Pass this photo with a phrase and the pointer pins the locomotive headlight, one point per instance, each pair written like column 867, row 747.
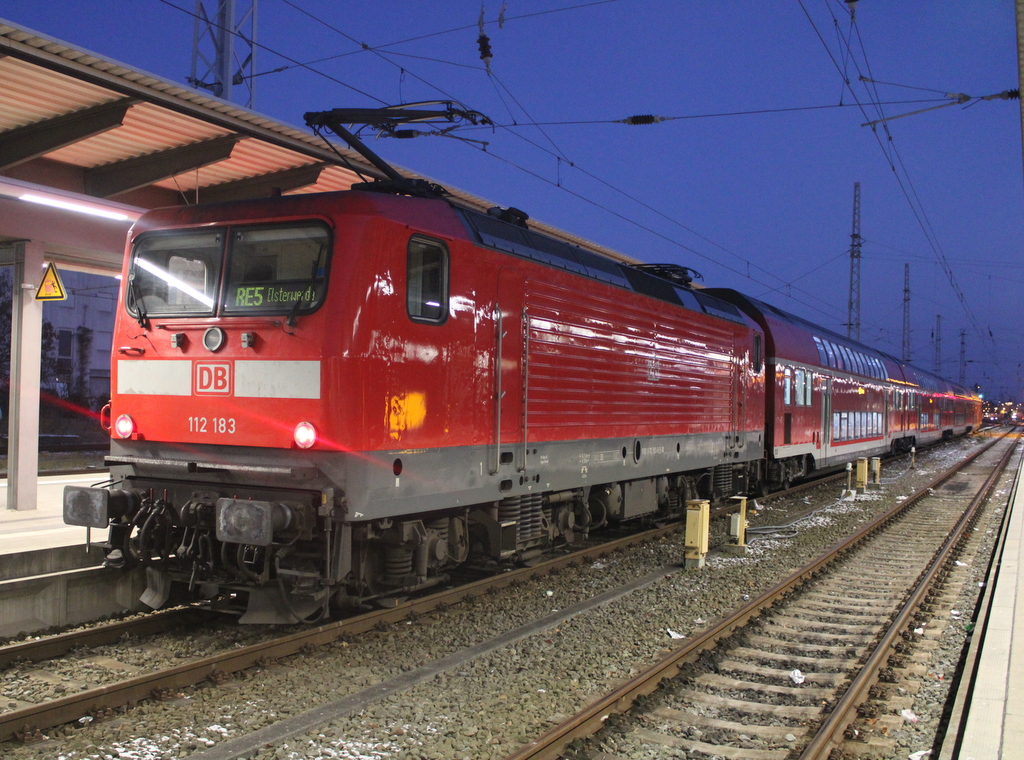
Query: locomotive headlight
column 124, row 426
column 304, row 435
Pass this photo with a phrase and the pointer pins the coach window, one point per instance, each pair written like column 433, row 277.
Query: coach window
column 802, row 389
column 822, row 356
column 831, row 355
column 787, row 386
column 427, row 281
column 844, row 362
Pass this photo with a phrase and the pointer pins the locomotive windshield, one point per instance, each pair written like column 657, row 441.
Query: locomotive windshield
column 276, row 269
column 175, row 274
column 239, row 270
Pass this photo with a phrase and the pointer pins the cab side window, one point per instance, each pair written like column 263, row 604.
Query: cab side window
column 427, row 281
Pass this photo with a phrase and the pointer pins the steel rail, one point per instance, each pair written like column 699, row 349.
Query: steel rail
column 589, row 720
column 831, row 732
column 55, row 645
column 48, row 647
column 29, row 720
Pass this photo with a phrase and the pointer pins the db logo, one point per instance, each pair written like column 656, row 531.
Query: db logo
column 212, row 378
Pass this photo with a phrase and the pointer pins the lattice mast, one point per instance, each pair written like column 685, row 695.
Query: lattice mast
column 906, row 312
column 853, row 309
column 963, row 357
column 224, row 49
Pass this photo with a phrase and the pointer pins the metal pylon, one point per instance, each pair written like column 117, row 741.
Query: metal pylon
column 853, row 309
column 906, row 312
column 224, row 48
column 963, row 358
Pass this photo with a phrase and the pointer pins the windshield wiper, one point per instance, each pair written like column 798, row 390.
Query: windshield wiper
column 142, row 319
column 310, row 285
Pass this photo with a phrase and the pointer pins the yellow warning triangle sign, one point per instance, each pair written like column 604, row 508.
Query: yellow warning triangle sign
column 51, row 288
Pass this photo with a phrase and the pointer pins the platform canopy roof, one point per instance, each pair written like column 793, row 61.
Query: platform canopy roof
column 85, row 126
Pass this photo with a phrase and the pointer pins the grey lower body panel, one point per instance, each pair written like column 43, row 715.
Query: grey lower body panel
column 381, row 484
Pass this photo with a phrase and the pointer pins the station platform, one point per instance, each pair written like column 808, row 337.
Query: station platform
column 987, row 722
column 43, row 527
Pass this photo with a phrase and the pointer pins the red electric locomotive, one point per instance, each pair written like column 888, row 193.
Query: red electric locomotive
column 340, row 396
column 337, row 398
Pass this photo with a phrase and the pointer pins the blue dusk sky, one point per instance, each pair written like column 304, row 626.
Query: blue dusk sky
column 748, row 179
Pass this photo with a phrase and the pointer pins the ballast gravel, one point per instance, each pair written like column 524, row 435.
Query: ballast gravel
column 486, row 708
column 932, row 689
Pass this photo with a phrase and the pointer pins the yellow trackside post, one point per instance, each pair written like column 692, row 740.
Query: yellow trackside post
column 738, row 529
column 698, row 519
column 862, row 474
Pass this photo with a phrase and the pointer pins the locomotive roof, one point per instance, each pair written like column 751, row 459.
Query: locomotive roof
column 495, row 230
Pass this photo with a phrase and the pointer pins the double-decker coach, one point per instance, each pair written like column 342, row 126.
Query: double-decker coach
column 831, row 400
column 937, row 409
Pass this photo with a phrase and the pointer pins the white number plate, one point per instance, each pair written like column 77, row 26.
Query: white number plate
column 222, row 425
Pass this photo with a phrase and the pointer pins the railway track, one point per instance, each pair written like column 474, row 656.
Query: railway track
column 785, row 676
column 26, row 722
column 47, row 647
column 29, row 720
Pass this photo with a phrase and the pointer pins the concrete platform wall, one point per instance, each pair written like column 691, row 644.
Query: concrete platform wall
column 68, row 597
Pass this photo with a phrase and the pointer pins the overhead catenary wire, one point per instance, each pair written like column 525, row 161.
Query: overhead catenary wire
column 894, row 159
column 645, row 119
column 744, row 274
column 365, row 48
column 561, row 155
